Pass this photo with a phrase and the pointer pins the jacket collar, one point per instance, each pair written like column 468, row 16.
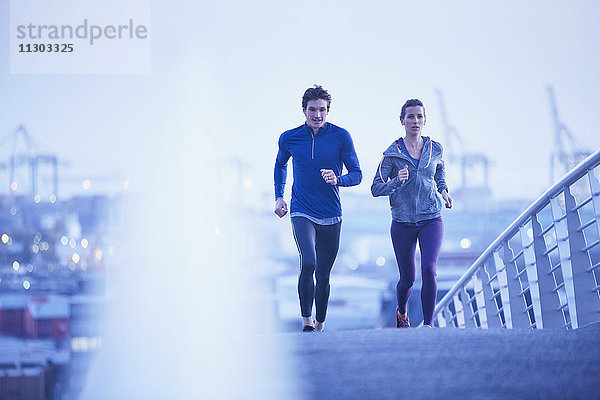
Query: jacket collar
column 321, row 130
column 395, row 150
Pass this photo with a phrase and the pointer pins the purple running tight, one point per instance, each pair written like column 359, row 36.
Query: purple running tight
column 404, row 239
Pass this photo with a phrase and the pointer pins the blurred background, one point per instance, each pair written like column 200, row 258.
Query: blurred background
column 136, row 210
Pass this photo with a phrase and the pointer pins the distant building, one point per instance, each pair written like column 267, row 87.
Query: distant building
column 28, row 368
column 12, row 311
column 37, row 317
column 47, row 317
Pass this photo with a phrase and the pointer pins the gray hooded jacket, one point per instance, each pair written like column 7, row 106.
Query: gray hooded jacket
column 415, row 199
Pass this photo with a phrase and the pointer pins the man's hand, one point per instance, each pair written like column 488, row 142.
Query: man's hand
column 280, row 207
column 447, row 198
column 329, row 176
column 403, row 174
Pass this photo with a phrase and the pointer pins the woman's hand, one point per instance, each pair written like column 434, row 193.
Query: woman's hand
column 403, row 174
column 447, row 198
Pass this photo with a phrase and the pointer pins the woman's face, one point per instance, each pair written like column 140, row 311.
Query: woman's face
column 414, row 119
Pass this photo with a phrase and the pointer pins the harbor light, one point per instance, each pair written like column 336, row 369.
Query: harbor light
column 72, row 243
column 16, row 265
column 64, row 240
column 52, row 198
column 84, row 243
column 37, row 198
column 13, row 210
column 380, row 261
column 75, row 258
column 98, row 254
column 465, row 243
column 14, row 186
column 5, row 238
column 26, row 285
column 86, row 184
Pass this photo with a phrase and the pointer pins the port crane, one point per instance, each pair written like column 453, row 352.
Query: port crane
column 22, row 155
column 472, row 164
column 567, row 152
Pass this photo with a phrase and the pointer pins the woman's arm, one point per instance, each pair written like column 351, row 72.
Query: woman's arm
column 385, row 181
column 447, row 198
column 440, row 174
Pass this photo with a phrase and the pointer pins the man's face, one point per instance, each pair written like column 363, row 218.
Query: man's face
column 414, row 119
column 316, row 113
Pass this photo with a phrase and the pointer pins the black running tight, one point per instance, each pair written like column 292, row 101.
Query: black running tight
column 318, row 246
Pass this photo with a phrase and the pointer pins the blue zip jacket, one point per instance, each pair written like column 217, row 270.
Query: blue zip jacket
column 331, row 147
column 414, row 200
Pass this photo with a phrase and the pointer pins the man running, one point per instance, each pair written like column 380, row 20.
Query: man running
column 318, row 150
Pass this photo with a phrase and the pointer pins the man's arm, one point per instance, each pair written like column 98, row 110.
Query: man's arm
column 350, row 160
column 280, row 176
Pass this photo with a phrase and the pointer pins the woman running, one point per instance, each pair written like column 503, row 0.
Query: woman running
column 410, row 172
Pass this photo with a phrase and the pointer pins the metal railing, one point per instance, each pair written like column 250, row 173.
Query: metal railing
column 543, row 270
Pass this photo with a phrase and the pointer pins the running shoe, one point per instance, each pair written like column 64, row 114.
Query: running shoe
column 401, row 322
column 308, row 328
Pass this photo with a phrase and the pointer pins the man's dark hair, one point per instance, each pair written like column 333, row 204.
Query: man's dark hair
column 316, row 93
column 411, row 103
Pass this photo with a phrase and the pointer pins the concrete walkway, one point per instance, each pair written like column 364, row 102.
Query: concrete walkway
column 444, row 363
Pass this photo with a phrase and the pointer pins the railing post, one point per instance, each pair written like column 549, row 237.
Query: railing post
column 467, row 308
column 541, row 280
column 595, row 190
column 478, row 285
column 564, row 252
column 448, row 317
column 503, row 287
column 441, row 320
column 586, row 298
column 459, row 310
column 518, row 316
column 492, row 313
column 532, row 276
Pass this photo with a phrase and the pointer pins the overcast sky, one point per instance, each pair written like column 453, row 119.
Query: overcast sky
column 234, row 72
